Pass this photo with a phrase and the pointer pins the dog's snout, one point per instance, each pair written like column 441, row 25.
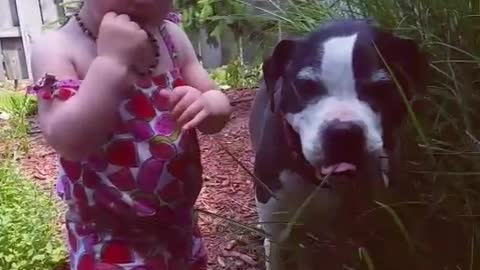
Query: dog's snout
column 345, row 131
column 344, row 140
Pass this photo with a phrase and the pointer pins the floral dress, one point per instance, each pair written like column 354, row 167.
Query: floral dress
column 130, row 204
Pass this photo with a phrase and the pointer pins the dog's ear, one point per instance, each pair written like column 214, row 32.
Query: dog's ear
column 407, row 61
column 275, row 65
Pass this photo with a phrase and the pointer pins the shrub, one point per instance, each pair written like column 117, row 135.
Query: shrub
column 28, row 234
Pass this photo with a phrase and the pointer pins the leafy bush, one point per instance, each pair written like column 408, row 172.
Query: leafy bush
column 16, row 103
column 441, row 144
column 28, row 234
column 18, row 107
column 237, row 75
column 205, row 14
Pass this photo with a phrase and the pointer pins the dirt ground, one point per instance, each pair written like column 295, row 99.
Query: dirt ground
column 226, row 202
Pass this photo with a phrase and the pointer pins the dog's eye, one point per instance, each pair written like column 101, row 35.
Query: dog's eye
column 308, row 86
column 305, row 84
column 379, row 89
column 381, row 95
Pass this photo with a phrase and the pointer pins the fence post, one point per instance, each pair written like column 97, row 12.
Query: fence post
column 6, row 22
column 30, row 18
column 3, row 75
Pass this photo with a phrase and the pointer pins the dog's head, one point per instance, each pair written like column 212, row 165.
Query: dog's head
column 344, row 90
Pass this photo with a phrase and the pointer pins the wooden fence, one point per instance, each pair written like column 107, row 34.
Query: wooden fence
column 21, row 22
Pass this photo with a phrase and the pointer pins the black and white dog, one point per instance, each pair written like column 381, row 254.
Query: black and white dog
column 330, row 109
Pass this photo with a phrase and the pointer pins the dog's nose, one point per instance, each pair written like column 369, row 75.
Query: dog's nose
column 344, row 141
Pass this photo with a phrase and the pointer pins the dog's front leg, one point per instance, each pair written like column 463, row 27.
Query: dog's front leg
column 279, row 253
column 275, row 257
column 266, row 247
column 268, row 216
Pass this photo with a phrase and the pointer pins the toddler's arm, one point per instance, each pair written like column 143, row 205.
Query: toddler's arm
column 76, row 126
column 196, row 76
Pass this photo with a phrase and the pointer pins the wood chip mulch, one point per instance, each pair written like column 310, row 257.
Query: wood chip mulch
column 226, row 203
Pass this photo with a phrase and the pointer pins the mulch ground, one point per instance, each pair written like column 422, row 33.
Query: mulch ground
column 227, row 203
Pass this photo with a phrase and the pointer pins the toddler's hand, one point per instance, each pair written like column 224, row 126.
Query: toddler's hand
column 121, row 39
column 189, row 106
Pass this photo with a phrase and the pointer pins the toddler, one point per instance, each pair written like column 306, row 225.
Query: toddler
column 121, row 95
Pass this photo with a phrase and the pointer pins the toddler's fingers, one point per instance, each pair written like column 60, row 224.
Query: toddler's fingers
column 187, row 115
column 177, row 95
column 110, row 15
column 181, row 106
column 202, row 115
column 169, row 97
column 124, row 17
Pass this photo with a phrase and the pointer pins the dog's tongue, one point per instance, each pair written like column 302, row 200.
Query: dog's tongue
column 338, row 168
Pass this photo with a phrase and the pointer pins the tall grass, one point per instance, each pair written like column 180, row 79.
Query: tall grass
column 440, row 194
column 28, row 234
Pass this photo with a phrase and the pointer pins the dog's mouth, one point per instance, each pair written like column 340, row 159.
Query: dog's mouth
column 341, row 168
column 343, row 148
column 341, row 162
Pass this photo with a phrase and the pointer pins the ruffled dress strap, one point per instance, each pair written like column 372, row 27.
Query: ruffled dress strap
column 49, row 88
column 175, row 17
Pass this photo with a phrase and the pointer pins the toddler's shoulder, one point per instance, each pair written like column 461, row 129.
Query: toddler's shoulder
column 51, row 42
column 52, row 53
column 52, row 47
column 180, row 40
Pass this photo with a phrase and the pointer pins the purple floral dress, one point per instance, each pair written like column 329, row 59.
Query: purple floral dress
column 130, row 204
